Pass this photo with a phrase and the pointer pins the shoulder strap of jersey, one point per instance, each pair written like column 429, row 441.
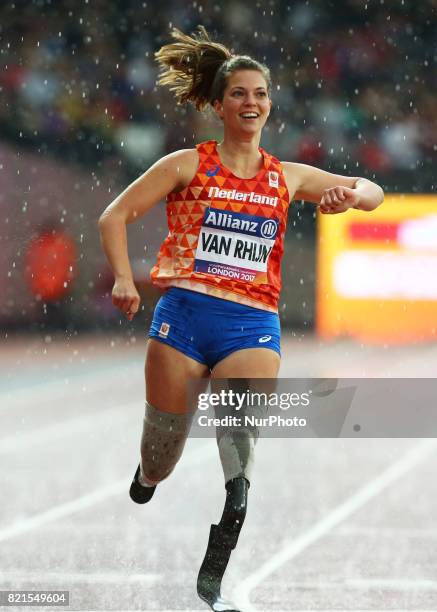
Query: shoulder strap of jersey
column 207, row 152
column 272, row 162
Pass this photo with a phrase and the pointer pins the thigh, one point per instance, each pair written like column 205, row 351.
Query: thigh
column 248, row 373
column 169, row 374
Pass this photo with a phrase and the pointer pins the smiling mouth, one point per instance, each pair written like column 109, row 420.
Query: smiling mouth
column 249, row 116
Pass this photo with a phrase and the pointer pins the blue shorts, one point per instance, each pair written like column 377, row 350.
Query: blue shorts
column 208, row 329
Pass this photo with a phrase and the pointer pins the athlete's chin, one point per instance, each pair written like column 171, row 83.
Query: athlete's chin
column 250, row 129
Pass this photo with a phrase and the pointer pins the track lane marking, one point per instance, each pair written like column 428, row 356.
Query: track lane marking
column 294, row 547
column 55, row 388
column 53, row 431
column 206, row 451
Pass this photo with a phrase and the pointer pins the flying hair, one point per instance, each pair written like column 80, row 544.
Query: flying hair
column 196, row 69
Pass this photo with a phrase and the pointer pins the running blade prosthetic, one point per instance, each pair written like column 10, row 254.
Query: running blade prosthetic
column 220, row 605
column 212, row 570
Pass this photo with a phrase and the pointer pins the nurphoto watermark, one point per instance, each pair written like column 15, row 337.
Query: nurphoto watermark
column 316, row 407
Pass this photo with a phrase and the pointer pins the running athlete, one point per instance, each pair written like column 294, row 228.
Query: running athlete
column 227, row 208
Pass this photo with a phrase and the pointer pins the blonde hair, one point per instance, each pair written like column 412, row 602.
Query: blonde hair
column 196, row 69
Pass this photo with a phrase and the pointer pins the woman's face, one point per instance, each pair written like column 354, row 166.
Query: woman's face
column 246, row 103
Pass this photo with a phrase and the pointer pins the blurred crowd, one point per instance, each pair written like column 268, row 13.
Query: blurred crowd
column 354, row 81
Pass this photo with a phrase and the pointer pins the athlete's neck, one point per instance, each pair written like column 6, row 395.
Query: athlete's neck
column 242, row 157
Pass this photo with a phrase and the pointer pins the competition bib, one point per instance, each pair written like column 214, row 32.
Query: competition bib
column 235, row 245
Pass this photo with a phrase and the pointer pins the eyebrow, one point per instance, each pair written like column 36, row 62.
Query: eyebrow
column 242, row 87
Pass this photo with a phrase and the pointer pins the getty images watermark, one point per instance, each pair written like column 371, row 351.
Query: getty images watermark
column 323, row 408
column 241, row 403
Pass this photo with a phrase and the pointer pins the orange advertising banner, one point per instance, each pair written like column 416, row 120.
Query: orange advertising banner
column 377, row 272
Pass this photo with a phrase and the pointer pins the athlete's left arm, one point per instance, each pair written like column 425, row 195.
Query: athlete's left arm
column 333, row 193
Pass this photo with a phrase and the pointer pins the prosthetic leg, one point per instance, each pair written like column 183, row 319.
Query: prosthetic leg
column 222, row 541
column 236, row 446
column 162, row 442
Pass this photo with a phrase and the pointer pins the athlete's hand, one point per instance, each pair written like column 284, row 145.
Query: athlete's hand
column 126, row 297
column 338, row 199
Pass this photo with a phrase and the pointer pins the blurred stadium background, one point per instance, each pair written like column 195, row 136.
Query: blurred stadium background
column 81, row 116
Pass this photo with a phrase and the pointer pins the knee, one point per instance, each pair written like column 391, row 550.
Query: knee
column 237, row 454
column 155, row 473
column 159, row 457
column 162, row 443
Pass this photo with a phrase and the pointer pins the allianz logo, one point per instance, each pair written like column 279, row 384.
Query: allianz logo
column 241, row 196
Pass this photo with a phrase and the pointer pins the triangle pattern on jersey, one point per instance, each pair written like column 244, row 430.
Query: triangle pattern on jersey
column 209, row 147
column 186, row 212
column 190, row 195
column 184, row 242
column 198, row 209
column 196, row 181
column 182, row 209
column 220, row 180
column 192, row 240
column 251, row 185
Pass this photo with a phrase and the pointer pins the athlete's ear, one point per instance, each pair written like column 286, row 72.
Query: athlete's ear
column 218, row 107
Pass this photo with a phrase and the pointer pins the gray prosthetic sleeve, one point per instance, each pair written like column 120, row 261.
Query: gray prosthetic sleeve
column 236, row 443
column 162, row 442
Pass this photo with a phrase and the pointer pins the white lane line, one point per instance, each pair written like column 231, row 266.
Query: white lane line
column 68, row 383
column 206, row 451
column 294, row 547
column 49, row 433
column 69, row 577
column 61, row 511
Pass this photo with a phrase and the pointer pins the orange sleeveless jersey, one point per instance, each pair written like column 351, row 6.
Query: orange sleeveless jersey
column 226, row 234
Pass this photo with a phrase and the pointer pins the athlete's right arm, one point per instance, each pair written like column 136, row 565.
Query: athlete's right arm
column 171, row 173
